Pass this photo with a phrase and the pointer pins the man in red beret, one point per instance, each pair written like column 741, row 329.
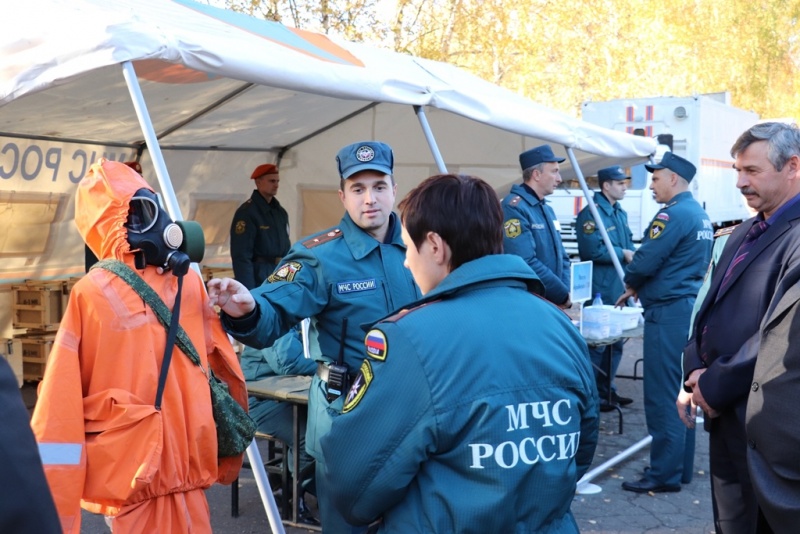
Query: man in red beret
column 260, row 230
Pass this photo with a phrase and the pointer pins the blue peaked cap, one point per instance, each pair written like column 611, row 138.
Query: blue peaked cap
column 676, row 164
column 365, row 155
column 535, row 156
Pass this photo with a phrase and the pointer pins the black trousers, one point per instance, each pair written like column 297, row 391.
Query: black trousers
column 735, row 506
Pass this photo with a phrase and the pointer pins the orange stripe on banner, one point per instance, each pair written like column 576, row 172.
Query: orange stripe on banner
column 710, row 162
column 649, row 113
column 629, row 113
column 649, row 131
column 577, row 205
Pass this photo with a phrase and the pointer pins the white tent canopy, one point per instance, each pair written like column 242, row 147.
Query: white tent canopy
column 225, row 92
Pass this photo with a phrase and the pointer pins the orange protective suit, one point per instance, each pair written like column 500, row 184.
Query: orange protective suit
column 103, row 444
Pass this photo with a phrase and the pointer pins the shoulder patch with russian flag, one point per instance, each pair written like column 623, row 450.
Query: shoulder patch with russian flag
column 377, row 348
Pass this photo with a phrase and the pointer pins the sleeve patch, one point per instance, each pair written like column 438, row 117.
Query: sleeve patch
column 589, row 227
column 512, row 228
column 286, row 272
column 377, row 347
column 239, row 228
column 359, row 387
column 663, row 216
column 657, row 229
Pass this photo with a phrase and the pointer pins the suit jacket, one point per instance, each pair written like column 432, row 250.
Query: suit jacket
column 731, row 318
column 773, row 430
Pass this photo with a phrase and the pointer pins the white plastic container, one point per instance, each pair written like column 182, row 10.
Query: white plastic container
column 600, row 322
column 597, row 314
column 629, row 317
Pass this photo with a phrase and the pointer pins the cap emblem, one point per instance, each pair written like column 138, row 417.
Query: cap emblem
column 365, row 153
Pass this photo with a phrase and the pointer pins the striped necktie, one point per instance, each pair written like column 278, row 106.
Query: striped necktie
column 741, row 253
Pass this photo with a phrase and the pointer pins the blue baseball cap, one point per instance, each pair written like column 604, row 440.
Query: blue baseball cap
column 611, row 173
column 363, row 156
column 676, row 164
column 535, row 156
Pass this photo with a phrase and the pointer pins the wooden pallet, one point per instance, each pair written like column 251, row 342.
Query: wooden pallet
column 38, row 305
column 35, row 350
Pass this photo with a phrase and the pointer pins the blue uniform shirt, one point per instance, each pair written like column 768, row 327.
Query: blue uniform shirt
column 340, row 272
column 674, row 254
column 463, row 417
column 531, row 233
column 591, row 247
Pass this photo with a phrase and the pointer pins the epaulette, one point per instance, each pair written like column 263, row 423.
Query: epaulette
column 514, row 201
column 725, row 231
column 323, row 238
column 405, row 311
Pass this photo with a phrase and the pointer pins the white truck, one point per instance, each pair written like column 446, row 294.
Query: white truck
column 699, row 128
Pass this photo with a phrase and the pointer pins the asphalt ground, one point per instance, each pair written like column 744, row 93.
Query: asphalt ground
column 611, row 511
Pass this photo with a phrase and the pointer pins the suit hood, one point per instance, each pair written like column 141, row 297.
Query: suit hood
column 101, row 208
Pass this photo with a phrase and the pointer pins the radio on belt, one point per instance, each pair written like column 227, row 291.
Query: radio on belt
column 338, row 376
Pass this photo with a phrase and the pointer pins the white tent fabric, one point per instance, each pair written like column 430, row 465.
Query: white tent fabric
column 203, row 95
column 226, row 92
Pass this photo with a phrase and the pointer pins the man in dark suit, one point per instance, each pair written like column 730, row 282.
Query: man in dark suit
column 772, row 431
column 721, row 354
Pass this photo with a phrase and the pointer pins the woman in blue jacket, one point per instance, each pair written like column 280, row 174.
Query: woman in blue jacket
column 475, row 409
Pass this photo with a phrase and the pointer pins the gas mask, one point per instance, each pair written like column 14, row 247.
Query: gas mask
column 156, row 240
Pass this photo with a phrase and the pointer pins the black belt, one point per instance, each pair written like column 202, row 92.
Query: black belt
column 271, row 260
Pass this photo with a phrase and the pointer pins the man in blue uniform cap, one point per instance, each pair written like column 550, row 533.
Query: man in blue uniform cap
column 342, row 277
column 463, row 418
column 666, row 273
column 530, row 225
column 605, row 280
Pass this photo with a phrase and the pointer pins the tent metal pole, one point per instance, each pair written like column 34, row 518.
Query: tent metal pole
column 168, row 192
column 426, row 129
column 260, row 474
column 593, row 208
column 584, row 485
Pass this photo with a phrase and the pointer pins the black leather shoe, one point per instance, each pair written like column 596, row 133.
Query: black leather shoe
column 606, row 407
column 622, row 401
column 648, row 486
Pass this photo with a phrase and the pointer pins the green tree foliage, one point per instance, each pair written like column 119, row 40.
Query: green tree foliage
column 563, row 52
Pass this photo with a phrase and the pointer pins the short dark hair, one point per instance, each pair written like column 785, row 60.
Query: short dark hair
column 463, row 210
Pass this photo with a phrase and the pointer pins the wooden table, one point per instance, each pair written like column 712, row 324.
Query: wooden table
column 292, row 389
